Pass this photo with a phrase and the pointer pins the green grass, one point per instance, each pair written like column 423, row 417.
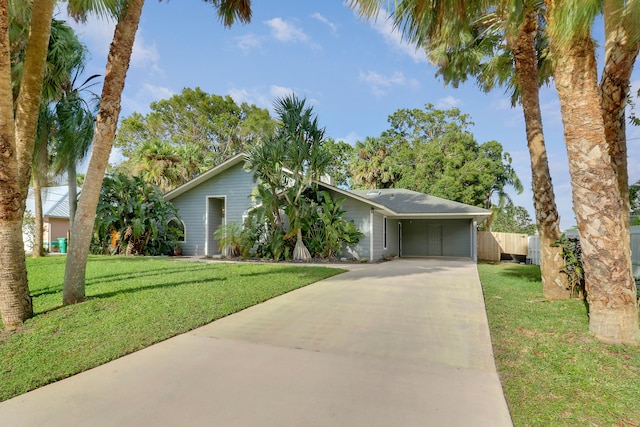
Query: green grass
column 132, row 303
column 554, row 373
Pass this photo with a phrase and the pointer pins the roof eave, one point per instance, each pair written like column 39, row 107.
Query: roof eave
column 205, row 176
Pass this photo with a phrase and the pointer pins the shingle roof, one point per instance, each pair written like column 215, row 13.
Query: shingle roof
column 407, row 202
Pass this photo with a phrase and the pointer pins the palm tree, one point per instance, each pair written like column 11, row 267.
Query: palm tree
column 596, row 150
column 65, row 54
column 458, row 45
column 159, row 162
column 18, row 132
column 370, row 168
column 290, row 162
column 75, row 122
column 119, row 56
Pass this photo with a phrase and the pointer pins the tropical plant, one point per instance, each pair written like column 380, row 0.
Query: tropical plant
column 332, row 230
column 229, row 239
column 119, row 56
column 290, row 162
column 572, row 255
column 133, row 219
column 74, row 127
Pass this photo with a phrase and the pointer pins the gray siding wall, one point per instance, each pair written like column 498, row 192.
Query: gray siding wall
column 456, row 238
column 378, row 239
column 357, row 212
column 235, row 184
column 393, row 248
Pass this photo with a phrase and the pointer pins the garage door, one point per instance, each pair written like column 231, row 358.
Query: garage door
column 436, row 238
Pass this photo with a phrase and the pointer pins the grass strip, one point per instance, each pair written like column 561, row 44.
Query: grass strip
column 553, row 372
column 131, row 304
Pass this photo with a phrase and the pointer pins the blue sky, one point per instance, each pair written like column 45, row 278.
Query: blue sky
column 354, row 73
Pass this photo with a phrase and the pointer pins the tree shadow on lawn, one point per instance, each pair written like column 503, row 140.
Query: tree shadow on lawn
column 280, row 270
column 112, row 277
column 110, row 294
column 529, row 273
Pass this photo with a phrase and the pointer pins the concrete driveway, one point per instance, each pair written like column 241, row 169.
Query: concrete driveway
column 402, row 343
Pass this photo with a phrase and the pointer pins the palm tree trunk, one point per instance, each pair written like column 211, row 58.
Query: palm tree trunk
column 620, row 56
column 106, row 123
column 73, row 193
column 41, row 161
column 611, row 292
column 38, row 249
column 554, row 283
column 17, row 139
column 300, row 251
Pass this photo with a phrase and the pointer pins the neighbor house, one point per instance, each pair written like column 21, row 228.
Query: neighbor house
column 55, row 215
column 395, row 222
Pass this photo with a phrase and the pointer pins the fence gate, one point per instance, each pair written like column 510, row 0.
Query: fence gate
column 491, row 245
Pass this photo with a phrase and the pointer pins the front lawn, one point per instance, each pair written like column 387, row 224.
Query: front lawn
column 554, row 373
column 132, row 303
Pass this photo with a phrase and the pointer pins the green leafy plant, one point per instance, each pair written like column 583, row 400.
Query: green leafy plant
column 334, row 229
column 228, row 237
column 572, row 254
column 134, row 219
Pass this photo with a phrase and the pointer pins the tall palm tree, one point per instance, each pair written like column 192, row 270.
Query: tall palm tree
column 65, row 54
column 159, row 162
column 129, row 12
column 596, row 149
column 370, row 168
column 458, row 39
column 18, row 132
column 75, row 123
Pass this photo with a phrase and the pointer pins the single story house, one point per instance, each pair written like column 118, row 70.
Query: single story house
column 395, row 222
column 55, row 215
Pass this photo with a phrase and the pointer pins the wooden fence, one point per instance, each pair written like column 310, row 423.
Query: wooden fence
column 491, row 245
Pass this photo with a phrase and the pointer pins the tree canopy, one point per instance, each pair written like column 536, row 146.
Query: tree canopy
column 432, row 151
column 187, row 134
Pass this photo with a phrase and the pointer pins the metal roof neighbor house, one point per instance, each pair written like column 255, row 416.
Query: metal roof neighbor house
column 395, row 222
column 55, row 214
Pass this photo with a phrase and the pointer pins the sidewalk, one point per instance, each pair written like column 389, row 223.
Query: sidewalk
column 402, row 343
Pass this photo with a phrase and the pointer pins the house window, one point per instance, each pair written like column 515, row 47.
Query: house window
column 384, row 232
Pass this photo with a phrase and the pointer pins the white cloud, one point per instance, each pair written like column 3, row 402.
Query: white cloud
column 286, row 32
column 248, row 42
column 145, row 55
column 332, row 27
column 258, row 97
column 449, row 102
column 141, row 99
column 280, row 91
column 381, row 84
column 383, row 24
column 351, row 138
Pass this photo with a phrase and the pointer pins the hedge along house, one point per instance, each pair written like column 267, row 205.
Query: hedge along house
column 395, row 222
